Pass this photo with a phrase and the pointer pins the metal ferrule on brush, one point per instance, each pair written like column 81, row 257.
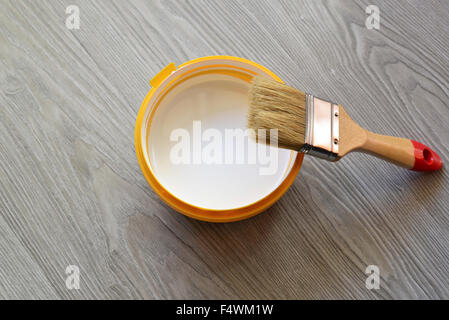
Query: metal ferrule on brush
column 322, row 132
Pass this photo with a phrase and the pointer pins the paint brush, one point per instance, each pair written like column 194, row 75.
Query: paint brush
column 324, row 129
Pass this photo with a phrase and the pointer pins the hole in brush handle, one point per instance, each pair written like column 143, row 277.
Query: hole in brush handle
column 425, row 158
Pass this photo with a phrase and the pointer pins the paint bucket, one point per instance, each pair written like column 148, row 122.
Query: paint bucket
column 204, row 96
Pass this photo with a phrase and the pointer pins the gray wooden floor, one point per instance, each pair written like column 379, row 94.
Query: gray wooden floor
column 72, row 193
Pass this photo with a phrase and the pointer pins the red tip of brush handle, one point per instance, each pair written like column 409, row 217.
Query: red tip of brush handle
column 425, row 158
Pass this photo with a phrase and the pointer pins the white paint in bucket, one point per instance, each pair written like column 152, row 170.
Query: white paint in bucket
column 220, row 102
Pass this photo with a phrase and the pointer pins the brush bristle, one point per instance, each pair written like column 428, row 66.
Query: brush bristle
column 273, row 105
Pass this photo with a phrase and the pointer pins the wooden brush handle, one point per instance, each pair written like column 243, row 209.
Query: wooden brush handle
column 400, row 151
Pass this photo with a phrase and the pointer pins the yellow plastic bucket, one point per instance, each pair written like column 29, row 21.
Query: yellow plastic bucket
column 198, row 192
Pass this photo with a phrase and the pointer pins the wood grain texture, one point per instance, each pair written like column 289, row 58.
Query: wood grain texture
column 71, row 191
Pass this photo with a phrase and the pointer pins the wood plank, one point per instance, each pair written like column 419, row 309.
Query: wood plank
column 71, row 191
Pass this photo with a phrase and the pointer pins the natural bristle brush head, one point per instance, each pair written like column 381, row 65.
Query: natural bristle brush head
column 273, row 105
